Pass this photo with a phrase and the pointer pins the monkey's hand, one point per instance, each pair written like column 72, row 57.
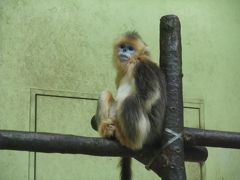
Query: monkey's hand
column 107, row 128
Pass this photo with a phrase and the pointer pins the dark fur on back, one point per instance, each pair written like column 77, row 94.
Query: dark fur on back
column 149, row 79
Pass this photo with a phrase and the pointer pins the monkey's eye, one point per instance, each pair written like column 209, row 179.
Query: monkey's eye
column 122, row 46
column 130, row 48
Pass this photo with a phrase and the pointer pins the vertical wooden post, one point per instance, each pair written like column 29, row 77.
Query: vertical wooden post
column 171, row 64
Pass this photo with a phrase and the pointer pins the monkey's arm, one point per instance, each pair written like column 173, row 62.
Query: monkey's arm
column 147, row 77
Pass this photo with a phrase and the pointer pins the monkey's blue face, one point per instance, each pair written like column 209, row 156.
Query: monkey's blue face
column 125, row 51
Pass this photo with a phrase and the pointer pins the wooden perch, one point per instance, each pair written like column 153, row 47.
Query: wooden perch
column 59, row 143
column 211, row 138
column 71, row 144
column 171, row 64
column 62, row 143
column 201, row 137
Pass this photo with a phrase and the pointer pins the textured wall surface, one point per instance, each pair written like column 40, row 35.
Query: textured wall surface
column 66, row 46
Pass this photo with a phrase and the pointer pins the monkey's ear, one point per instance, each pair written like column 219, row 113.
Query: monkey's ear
column 147, row 51
column 145, row 54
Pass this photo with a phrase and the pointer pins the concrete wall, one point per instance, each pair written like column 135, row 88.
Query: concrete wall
column 66, row 45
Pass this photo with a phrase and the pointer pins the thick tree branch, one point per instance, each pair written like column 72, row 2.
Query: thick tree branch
column 171, row 64
column 59, row 143
column 201, row 137
column 71, row 144
column 211, row 138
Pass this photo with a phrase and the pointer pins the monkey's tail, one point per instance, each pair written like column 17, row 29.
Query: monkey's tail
column 126, row 171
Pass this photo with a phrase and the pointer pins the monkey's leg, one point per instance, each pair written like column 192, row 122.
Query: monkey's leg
column 105, row 114
column 132, row 124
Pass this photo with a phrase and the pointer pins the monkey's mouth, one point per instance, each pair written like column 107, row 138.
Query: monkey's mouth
column 123, row 57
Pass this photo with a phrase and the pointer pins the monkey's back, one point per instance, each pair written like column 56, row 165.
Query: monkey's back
column 150, row 82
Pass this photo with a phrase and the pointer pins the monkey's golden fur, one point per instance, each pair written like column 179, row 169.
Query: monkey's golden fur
column 142, row 53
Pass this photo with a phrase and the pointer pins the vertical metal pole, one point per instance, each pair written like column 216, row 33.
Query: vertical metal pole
column 171, row 64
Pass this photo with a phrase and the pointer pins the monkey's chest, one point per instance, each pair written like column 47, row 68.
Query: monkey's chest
column 125, row 89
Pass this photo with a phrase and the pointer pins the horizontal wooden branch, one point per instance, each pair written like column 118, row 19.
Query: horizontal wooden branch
column 71, row 144
column 202, row 137
column 211, row 138
column 62, row 143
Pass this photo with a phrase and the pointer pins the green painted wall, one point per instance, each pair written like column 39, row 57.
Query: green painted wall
column 66, row 45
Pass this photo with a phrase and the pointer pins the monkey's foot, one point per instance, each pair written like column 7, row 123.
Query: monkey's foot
column 107, row 128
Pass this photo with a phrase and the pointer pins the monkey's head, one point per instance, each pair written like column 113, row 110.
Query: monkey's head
column 128, row 50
